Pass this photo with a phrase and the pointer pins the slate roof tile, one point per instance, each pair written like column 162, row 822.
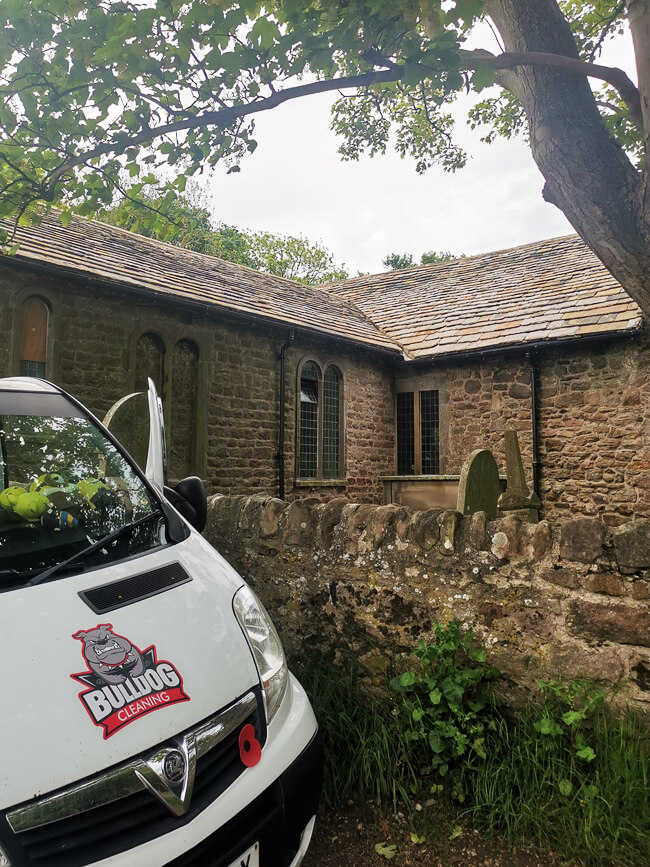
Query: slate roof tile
column 98, row 251
column 549, row 290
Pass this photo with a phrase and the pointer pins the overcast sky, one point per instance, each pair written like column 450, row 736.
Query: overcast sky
column 296, row 183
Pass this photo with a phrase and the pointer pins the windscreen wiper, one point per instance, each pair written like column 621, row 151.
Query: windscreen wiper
column 90, row 549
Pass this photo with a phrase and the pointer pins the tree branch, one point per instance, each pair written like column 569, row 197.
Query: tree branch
column 628, row 91
column 222, row 118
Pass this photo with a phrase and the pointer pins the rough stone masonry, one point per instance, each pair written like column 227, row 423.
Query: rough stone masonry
column 567, row 599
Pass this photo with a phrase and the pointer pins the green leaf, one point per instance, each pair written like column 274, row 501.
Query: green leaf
column 387, row 850
column 572, row 717
column 484, row 76
column 547, row 726
column 587, row 754
column 565, row 787
column 457, row 831
column 416, row 838
column 435, row 696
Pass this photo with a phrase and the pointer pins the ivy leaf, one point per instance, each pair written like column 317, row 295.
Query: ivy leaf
column 387, row 850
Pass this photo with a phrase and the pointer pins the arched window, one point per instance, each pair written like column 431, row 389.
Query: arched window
column 184, row 363
column 320, row 453
column 149, row 361
column 33, row 345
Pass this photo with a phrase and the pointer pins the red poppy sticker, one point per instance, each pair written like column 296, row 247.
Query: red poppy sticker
column 250, row 749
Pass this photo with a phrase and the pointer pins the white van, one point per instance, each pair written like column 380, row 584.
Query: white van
column 147, row 716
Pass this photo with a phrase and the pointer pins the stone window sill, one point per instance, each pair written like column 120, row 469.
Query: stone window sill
column 320, row 483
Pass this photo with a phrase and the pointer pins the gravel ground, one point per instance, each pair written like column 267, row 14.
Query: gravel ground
column 348, row 838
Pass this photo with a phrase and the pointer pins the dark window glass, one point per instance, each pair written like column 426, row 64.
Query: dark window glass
column 331, row 423
column 405, row 434
column 308, row 466
column 32, row 368
column 429, row 431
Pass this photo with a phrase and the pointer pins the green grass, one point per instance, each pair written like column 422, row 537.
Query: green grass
column 535, row 788
column 365, row 755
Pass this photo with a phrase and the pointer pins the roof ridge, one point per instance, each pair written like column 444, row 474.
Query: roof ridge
column 435, row 265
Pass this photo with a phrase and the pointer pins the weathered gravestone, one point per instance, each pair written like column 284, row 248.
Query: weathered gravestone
column 479, row 486
column 517, row 498
column 128, row 421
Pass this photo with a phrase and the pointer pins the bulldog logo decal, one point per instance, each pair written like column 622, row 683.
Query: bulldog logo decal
column 125, row 682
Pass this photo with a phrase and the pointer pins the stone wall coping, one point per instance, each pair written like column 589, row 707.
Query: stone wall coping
column 434, row 478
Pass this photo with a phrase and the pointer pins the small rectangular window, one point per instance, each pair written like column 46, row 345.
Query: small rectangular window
column 331, row 424
column 418, row 433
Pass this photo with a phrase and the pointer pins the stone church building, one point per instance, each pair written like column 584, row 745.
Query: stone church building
column 375, row 388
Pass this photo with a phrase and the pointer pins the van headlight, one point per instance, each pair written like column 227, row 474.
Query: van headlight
column 4, row 859
column 266, row 646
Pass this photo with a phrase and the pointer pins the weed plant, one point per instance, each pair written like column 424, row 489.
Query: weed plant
column 446, row 706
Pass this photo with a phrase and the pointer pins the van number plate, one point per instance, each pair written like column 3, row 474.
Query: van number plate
column 250, row 858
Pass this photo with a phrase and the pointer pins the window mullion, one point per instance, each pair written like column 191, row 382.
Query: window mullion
column 417, row 434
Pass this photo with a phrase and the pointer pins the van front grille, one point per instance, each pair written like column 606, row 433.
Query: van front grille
column 95, row 832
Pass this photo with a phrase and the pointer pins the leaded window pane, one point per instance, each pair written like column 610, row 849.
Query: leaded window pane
column 405, row 434
column 32, row 368
column 308, row 463
column 430, row 432
column 331, row 423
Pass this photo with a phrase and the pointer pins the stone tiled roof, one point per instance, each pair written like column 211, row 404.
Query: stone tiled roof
column 546, row 291
column 115, row 256
column 550, row 290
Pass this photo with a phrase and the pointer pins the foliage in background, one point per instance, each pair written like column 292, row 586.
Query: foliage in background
column 397, row 261
column 568, row 773
column 186, row 222
column 94, row 88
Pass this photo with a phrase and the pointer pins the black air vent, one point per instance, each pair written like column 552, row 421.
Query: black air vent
column 117, row 594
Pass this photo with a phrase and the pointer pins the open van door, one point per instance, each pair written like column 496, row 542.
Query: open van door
column 136, row 420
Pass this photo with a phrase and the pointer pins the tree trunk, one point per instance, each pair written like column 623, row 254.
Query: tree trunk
column 587, row 174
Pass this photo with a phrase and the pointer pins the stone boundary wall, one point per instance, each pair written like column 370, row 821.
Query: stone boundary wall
column 567, row 599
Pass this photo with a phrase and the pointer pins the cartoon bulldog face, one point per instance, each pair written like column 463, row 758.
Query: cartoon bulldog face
column 110, row 656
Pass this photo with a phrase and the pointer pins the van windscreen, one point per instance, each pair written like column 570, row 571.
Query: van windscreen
column 63, row 485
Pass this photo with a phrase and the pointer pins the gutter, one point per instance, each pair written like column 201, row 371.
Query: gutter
column 535, row 347
column 283, row 352
column 533, row 424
